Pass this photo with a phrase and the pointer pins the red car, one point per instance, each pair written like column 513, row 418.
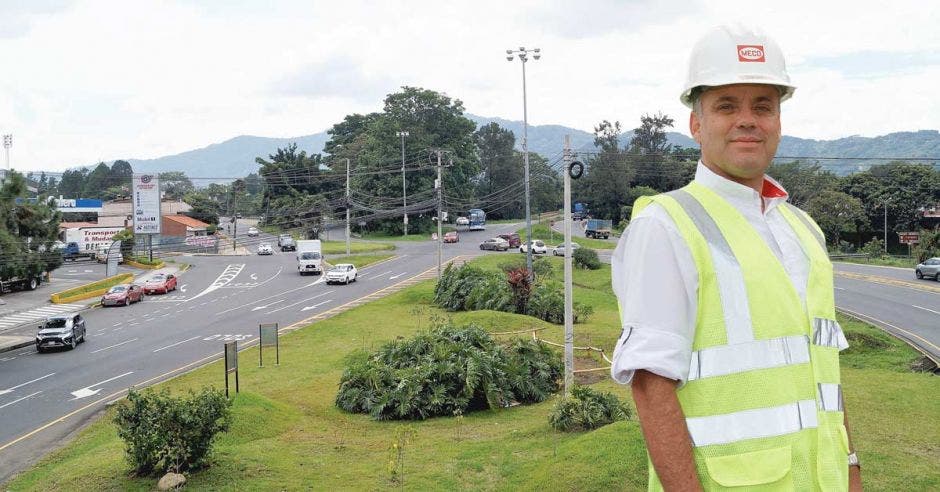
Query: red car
column 451, row 237
column 513, row 239
column 160, row 283
column 122, row 295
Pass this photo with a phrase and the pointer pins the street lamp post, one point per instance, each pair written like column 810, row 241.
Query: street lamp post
column 404, row 186
column 7, row 143
column 523, row 55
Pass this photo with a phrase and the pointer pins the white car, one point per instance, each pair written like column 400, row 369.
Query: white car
column 253, row 231
column 265, row 249
column 538, row 247
column 560, row 249
column 342, row 273
column 463, row 221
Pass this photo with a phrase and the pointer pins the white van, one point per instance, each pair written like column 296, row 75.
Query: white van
column 309, row 257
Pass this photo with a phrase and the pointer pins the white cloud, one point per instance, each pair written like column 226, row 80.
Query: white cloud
column 97, row 80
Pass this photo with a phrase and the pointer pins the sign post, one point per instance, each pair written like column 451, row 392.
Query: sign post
column 146, row 203
column 910, row 239
column 231, row 363
column 267, row 334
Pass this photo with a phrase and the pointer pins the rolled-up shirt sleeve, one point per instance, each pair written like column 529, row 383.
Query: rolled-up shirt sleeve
column 656, row 282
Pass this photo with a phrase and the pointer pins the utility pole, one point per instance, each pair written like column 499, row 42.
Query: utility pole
column 569, row 317
column 886, row 226
column 523, row 55
column 439, row 184
column 347, row 207
column 7, row 143
column 404, row 185
column 234, row 217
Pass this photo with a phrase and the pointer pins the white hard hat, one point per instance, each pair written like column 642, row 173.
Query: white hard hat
column 736, row 55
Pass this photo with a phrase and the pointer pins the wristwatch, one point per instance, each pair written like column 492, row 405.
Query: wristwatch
column 853, row 460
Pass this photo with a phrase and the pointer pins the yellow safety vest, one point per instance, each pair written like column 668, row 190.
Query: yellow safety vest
column 763, row 401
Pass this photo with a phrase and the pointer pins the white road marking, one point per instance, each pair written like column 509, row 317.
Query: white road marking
column 271, row 297
column 20, row 399
column 267, row 305
column 300, row 302
column 380, row 274
column 10, row 389
column 224, row 278
column 396, row 276
column 211, row 337
column 926, row 309
column 183, row 288
column 175, row 344
column 838, row 288
column 88, row 391
column 89, row 271
column 307, row 308
column 112, row 346
column 253, row 276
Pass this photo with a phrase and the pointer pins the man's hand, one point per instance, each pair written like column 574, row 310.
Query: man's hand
column 665, row 431
column 855, row 479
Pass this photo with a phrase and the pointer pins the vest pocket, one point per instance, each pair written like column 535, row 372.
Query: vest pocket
column 768, row 469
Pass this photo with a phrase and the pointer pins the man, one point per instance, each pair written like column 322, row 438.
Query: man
column 729, row 334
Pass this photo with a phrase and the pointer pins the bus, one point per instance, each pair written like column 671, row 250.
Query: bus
column 477, row 219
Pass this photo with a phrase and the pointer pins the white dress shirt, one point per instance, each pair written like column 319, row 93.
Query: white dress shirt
column 656, row 282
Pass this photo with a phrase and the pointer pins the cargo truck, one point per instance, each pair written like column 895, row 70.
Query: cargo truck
column 309, row 256
column 597, row 228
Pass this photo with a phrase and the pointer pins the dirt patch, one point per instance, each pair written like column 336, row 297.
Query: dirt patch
column 586, row 378
column 865, row 341
column 924, row 364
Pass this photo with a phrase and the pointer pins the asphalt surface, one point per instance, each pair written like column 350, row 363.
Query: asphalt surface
column 46, row 397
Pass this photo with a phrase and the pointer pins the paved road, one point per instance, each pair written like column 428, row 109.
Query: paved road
column 45, row 397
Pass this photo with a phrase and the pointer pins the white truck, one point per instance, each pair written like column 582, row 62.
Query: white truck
column 309, row 256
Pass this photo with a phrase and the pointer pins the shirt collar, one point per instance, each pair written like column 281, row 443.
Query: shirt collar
column 740, row 195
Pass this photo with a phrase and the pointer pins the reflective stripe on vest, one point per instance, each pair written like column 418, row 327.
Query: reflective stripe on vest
column 759, row 354
column 732, row 290
column 830, row 397
column 828, row 333
column 753, row 424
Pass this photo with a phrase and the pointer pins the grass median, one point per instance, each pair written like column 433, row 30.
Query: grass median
column 90, row 290
column 289, row 435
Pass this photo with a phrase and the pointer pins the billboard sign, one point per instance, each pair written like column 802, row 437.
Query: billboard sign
column 909, row 237
column 146, row 192
column 77, row 205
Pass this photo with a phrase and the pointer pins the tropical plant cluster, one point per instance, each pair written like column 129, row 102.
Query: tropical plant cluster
column 587, row 409
column 586, row 258
column 470, row 288
column 163, row 433
column 447, row 370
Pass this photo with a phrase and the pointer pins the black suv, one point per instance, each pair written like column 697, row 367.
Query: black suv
column 61, row 331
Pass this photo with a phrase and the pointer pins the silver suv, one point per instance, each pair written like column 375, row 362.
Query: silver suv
column 929, row 268
column 61, row 331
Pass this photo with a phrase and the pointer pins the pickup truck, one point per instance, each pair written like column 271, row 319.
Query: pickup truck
column 597, row 228
column 73, row 252
column 20, row 283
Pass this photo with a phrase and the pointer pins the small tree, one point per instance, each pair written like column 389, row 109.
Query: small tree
column 874, row 248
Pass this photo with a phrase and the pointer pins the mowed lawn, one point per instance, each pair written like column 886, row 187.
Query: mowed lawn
column 289, row 435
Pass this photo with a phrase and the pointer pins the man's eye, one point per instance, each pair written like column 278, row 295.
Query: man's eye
column 725, row 107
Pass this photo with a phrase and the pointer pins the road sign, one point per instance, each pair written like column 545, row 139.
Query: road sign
column 909, row 237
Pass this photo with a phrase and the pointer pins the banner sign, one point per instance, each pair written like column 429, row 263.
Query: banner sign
column 201, row 241
column 146, row 191
column 909, row 237
column 77, row 205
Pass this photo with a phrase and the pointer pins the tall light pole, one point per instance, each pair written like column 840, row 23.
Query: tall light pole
column 523, row 55
column 7, row 143
column 404, row 186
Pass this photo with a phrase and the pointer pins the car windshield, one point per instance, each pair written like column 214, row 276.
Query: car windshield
column 310, row 255
column 157, row 278
column 538, row 243
column 55, row 323
column 116, row 289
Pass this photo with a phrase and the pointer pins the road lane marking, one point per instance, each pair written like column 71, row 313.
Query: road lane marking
column 838, row 288
column 10, row 389
column 115, row 345
column 20, row 399
column 307, row 308
column 267, row 305
column 396, row 276
column 183, row 288
column 888, row 281
column 88, row 391
column 926, row 309
column 175, row 344
column 300, row 302
column 224, row 278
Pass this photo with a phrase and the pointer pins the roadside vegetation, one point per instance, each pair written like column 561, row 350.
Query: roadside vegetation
column 287, row 433
column 554, row 238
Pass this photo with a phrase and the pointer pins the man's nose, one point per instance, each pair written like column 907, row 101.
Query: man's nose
column 746, row 118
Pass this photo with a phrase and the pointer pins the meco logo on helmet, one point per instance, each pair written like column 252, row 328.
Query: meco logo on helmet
column 750, row 53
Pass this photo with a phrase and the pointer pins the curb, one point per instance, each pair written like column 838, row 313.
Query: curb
column 16, row 346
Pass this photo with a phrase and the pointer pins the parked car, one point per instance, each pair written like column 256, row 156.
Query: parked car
column 102, row 256
column 160, row 283
column 253, row 232
column 265, row 249
column 495, row 244
column 560, row 249
column 122, row 295
column 513, row 239
column 451, row 237
column 342, row 273
column 61, row 331
column 463, row 221
column 929, row 268
column 538, row 247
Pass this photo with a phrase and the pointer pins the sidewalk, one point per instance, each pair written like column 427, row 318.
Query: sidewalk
column 14, row 336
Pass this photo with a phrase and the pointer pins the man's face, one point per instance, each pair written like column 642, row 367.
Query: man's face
column 738, row 129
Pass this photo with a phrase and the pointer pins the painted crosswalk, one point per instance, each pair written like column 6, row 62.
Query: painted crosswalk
column 11, row 320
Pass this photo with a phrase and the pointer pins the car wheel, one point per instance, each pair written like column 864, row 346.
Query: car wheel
column 39, row 349
column 347, row 281
column 481, row 247
column 918, row 274
column 82, row 339
column 127, row 301
column 74, row 343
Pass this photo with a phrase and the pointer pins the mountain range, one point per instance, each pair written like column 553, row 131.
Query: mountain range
column 236, row 157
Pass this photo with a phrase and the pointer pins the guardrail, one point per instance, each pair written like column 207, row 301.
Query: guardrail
column 834, row 256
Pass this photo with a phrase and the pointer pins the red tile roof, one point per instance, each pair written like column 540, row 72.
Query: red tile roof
column 187, row 221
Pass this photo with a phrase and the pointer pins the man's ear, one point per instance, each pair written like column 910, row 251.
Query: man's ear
column 695, row 127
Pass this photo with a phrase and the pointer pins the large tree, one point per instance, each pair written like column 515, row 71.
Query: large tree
column 906, row 189
column 500, row 182
column 836, row 213
column 607, row 180
column 175, row 184
column 99, row 180
column 27, row 232
column 803, row 181
column 72, row 183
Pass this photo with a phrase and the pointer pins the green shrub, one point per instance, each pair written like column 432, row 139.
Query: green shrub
column 541, row 267
column 874, row 248
column 587, row 409
column 447, row 371
column 547, row 303
column 586, row 258
column 162, row 433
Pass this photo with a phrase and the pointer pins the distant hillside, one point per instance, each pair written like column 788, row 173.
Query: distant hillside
column 236, row 156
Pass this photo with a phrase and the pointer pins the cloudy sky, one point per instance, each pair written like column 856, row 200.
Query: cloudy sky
column 90, row 80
